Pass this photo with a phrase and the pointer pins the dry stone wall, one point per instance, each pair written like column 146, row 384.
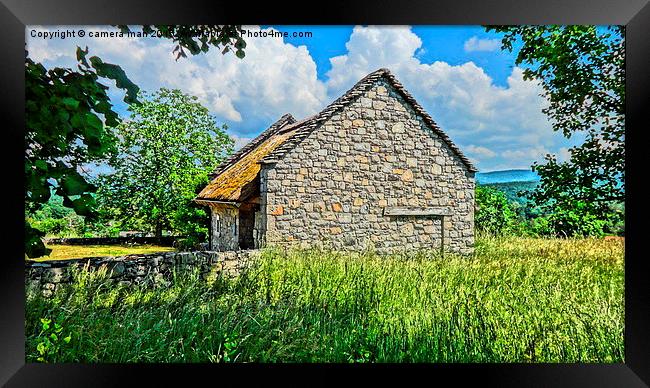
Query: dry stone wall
column 154, row 268
column 376, row 153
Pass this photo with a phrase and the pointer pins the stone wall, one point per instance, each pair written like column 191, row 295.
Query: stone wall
column 154, row 268
column 374, row 154
column 225, row 227
column 259, row 231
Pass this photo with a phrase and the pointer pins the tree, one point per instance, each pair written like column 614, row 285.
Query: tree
column 64, row 130
column 494, row 215
column 582, row 71
column 165, row 152
column 69, row 116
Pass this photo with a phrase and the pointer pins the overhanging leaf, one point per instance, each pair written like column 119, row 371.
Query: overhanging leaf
column 74, row 184
column 116, row 73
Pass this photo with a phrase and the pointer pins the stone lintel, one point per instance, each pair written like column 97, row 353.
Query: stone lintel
column 414, row 211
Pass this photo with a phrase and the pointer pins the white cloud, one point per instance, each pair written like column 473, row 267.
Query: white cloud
column 528, row 153
column 564, row 154
column 273, row 79
column 39, row 49
column 240, row 141
column 462, row 99
column 495, row 125
column 370, row 48
column 480, row 151
column 476, row 44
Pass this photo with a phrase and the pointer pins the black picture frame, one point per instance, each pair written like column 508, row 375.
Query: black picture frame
column 16, row 14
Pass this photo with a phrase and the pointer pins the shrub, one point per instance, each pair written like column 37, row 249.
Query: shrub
column 494, row 214
column 576, row 222
column 191, row 221
column 579, row 219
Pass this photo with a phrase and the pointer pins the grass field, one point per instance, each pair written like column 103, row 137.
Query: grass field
column 63, row 252
column 515, row 300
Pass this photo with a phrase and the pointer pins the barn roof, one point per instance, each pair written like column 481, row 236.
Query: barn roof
column 231, row 177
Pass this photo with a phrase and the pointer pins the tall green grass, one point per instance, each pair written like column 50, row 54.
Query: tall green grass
column 514, row 300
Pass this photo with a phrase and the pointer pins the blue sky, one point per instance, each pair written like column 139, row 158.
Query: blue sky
column 459, row 74
column 440, row 43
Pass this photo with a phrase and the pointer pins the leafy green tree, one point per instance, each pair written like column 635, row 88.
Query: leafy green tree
column 191, row 220
column 165, row 151
column 56, row 220
column 494, row 214
column 582, row 71
column 69, row 115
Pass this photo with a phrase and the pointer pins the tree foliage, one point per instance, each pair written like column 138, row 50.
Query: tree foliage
column 494, row 214
column 54, row 219
column 198, row 39
column 67, row 114
column 165, row 152
column 582, row 71
column 69, row 118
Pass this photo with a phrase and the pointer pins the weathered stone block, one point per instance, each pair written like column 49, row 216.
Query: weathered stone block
column 335, row 230
column 279, row 210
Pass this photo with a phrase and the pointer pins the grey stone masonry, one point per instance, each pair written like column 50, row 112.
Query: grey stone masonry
column 373, row 155
column 225, row 227
column 156, row 268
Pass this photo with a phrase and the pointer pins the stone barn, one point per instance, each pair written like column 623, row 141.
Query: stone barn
column 371, row 170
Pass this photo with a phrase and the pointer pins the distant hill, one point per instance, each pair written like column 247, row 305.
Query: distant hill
column 506, row 176
column 512, row 189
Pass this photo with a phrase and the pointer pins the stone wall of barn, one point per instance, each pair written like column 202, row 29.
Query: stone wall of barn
column 259, row 231
column 374, row 154
column 225, row 227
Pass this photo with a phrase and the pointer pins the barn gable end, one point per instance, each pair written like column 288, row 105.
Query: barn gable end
column 375, row 173
column 371, row 169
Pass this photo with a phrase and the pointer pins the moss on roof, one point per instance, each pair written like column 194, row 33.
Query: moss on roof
column 229, row 185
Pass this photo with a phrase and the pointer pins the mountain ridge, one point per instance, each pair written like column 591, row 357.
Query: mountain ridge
column 506, row 176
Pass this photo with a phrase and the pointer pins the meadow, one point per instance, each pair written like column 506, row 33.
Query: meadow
column 515, row 300
column 64, row 252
